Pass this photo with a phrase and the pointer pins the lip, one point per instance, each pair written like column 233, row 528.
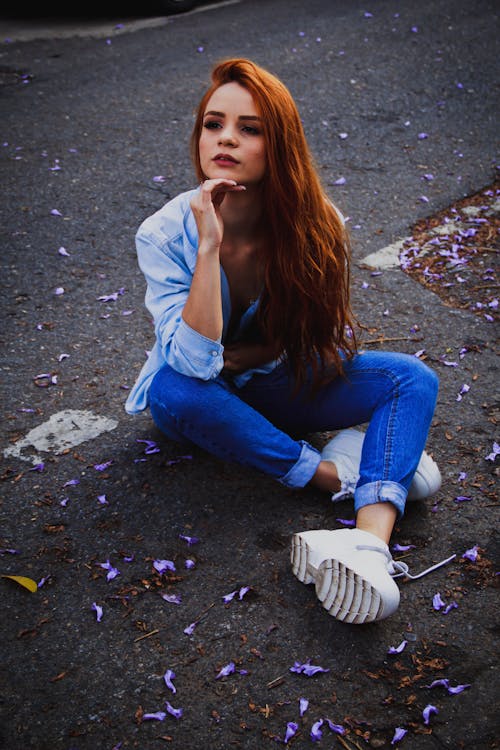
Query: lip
column 225, row 159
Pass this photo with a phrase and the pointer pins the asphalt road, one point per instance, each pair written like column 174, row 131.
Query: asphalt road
column 94, row 137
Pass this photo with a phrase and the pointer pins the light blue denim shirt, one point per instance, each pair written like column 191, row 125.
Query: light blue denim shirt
column 167, row 247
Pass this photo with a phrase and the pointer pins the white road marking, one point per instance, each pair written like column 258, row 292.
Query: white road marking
column 63, row 430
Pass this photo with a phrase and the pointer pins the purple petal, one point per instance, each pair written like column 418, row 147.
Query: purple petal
column 158, row 716
column 112, row 572
column 443, row 682
column 151, row 446
column 462, row 499
column 496, row 450
column 307, row 668
column 172, row 598
column 227, row 670
column 98, row 611
column 346, row 521
column 161, row 566
column 458, row 689
column 176, row 712
column 71, row 483
column 398, row 649
column 102, row 499
column 399, row 733
column 168, row 677
column 229, row 597
column 189, row 564
column 189, row 539
column 471, row 554
column 303, row 705
column 449, row 607
column 102, row 467
column 190, row 628
column 337, row 728
column 316, row 733
column 291, row 731
column 437, row 602
column 402, row 547
column 428, row 711
column 244, row 590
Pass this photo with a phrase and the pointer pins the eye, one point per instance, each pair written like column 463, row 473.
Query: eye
column 211, row 124
column 251, row 130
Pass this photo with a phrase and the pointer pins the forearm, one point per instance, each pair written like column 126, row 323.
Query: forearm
column 203, row 308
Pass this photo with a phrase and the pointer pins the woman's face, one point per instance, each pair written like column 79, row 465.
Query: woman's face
column 232, row 140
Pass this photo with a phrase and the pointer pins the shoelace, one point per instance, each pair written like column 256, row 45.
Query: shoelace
column 402, row 567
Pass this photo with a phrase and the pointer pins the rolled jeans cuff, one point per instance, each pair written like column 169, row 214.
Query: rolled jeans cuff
column 381, row 492
column 304, row 469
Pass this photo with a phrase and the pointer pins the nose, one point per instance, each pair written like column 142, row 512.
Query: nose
column 227, row 137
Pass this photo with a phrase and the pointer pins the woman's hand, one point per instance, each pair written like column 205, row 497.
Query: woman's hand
column 241, row 357
column 206, row 209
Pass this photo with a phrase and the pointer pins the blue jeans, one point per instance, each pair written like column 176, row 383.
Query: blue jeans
column 257, row 425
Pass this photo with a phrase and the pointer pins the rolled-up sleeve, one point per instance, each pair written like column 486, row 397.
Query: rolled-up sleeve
column 168, row 273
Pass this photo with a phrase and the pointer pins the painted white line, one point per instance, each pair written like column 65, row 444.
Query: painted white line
column 63, row 430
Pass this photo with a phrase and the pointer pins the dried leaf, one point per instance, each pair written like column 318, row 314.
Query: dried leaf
column 28, row 583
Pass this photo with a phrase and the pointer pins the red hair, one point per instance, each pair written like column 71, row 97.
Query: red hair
column 305, row 307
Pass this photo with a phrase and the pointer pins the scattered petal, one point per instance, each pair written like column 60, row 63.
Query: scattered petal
column 346, row 521
column 291, row 731
column 496, row 450
column 157, row 716
column 151, row 446
column 337, row 728
column 307, row 668
column 398, row 649
column 189, row 539
column 168, row 677
column 112, row 572
column 303, row 705
column 227, row 670
column 190, row 628
column 189, row 564
column 399, row 733
column 428, row 711
column 316, row 733
column 437, row 602
column 103, row 467
column 98, row 611
column 471, row 554
column 172, row 598
column 176, row 712
column 62, row 251
column 161, row 566
column 402, row 547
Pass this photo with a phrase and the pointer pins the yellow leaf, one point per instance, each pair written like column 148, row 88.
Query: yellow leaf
column 28, row 583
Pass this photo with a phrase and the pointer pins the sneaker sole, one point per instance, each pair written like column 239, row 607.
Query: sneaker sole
column 346, row 595
column 300, row 559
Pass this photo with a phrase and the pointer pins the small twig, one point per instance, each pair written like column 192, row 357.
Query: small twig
column 146, row 635
column 274, row 683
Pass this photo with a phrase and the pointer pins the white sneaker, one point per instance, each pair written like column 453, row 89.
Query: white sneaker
column 344, row 450
column 353, row 572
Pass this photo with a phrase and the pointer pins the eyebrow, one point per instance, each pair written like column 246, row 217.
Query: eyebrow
column 221, row 114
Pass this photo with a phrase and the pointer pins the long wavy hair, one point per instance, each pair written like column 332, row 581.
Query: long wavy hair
column 305, row 307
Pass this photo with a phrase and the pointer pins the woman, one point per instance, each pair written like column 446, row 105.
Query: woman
column 248, row 284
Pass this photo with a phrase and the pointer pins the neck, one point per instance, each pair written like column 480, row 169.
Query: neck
column 242, row 213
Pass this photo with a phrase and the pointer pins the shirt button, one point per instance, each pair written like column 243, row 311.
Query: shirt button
column 214, row 353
